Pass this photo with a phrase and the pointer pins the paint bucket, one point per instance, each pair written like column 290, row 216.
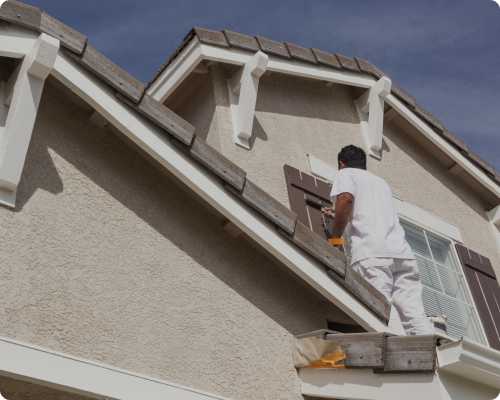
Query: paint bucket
column 440, row 323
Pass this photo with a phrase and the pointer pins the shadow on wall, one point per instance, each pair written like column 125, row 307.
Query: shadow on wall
column 309, row 98
column 38, row 173
column 117, row 169
column 258, row 132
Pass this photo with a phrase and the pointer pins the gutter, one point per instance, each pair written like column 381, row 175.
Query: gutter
column 471, row 360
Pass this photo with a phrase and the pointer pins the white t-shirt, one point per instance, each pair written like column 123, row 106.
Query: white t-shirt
column 373, row 228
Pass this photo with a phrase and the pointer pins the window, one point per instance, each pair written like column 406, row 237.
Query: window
column 445, row 289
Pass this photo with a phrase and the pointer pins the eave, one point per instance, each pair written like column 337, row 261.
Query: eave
column 196, row 52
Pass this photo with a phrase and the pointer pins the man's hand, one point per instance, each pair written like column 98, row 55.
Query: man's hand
column 328, row 212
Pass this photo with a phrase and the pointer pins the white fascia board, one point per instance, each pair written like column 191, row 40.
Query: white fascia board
column 363, row 384
column 472, row 361
column 16, row 42
column 177, row 71
column 156, row 143
column 428, row 220
column 441, row 143
column 61, row 371
column 195, row 52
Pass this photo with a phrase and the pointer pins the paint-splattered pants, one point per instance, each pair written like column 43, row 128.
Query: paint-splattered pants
column 397, row 279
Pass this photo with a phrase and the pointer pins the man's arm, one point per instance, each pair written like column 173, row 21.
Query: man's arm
column 343, row 208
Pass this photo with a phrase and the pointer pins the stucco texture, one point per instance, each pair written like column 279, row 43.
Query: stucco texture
column 106, row 259
column 13, row 389
column 297, row 116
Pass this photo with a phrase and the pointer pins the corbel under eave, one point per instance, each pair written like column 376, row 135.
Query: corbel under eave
column 20, row 98
column 370, row 107
column 243, row 88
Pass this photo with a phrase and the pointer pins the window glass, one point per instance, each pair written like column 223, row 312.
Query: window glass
column 444, row 286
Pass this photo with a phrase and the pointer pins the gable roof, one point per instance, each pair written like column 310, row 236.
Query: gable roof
column 287, row 50
column 133, row 93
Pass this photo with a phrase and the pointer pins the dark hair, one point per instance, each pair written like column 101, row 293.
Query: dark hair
column 352, row 157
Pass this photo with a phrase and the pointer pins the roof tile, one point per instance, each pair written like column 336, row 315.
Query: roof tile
column 211, row 37
column 326, row 58
column 21, row 14
column 108, row 72
column 431, row 119
column 300, row 52
column 396, row 90
column 69, row 38
column 480, row 161
column 369, row 68
column 242, row 41
column 272, row 47
column 347, row 63
column 184, row 43
column 455, row 140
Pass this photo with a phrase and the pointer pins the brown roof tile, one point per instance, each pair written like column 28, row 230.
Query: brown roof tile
column 211, row 37
column 455, row 140
column 184, row 43
column 431, row 119
column 369, row 68
column 347, row 63
column 272, row 47
column 397, row 91
column 300, row 52
column 480, row 161
column 241, row 41
column 21, row 14
column 326, row 58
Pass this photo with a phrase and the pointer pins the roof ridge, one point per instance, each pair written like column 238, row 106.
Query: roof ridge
column 336, row 61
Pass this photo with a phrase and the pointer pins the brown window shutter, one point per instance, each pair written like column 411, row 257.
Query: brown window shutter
column 486, row 291
column 307, row 195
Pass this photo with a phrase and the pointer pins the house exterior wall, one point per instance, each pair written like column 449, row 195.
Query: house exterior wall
column 104, row 258
column 297, row 116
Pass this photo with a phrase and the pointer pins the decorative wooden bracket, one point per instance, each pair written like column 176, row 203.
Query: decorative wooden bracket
column 243, row 87
column 370, row 108
column 20, row 98
column 494, row 216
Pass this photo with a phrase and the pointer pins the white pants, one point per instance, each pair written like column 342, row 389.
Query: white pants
column 397, row 279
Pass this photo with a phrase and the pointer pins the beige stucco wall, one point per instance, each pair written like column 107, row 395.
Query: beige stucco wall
column 104, row 258
column 13, row 389
column 297, row 116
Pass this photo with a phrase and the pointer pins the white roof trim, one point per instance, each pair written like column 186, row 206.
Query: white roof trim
column 196, row 52
column 155, row 142
column 363, row 384
column 472, row 361
column 61, row 371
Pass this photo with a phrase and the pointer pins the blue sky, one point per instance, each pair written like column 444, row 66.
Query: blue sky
column 444, row 53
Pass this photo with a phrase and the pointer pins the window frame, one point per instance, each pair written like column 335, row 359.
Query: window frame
column 462, row 272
